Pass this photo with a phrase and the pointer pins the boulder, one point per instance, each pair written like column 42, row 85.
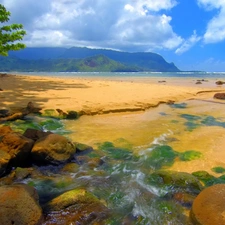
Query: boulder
column 171, row 182
column 54, row 149
column 219, row 96
column 4, row 160
column 16, row 145
column 5, row 130
column 78, row 206
column 35, row 134
column 19, row 205
column 219, row 82
column 208, row 207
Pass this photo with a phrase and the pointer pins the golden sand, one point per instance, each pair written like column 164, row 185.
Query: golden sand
column 99, row 95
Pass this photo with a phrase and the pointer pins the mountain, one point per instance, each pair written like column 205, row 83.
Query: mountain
column 68, row 59
column 99, row 63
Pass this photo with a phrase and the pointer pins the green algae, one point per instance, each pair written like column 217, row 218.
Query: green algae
column 161, row 156
column 190, row 155
column 218, row 169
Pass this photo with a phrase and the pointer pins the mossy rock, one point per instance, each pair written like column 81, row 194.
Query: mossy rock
column 83, row 148
column 51, row 113
column 76, row 205
column 170, row 182
column 207, row 179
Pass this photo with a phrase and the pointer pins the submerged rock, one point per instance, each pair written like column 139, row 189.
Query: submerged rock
column 52, row 149
column 78, row 206
column 208, row 207
column 19, row 205
column 171, row 182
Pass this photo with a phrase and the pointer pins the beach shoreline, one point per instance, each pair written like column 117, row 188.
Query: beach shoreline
column 98, row 95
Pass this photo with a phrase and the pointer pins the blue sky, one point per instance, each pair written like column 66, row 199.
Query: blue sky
column 190, row 33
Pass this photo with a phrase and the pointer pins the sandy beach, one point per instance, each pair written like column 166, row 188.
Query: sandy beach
column 98, row 95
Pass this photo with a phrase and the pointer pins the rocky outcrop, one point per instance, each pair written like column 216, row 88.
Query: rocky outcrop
column 19, row 205
column 52, row 149
column 208, row 207
column 75, row 205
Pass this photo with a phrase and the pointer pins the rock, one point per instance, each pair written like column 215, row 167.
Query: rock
column 19, row 205
column 4, row 113
column 17, row 146
column 219, row 96
column 53, row 149
column 72, row 115
column 219, row 82
column 83, row 148
column 171, row 182
column 35, row 134
column 198, row 82
column 75, row 205
column 4, row 160
column 22, row 173
column 5, row 130
column 208, row 207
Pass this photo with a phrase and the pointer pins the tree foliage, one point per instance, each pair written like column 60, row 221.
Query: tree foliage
column 10, row 35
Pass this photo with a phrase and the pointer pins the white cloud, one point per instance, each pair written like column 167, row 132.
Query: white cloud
column 215, row 31
column 187, row 44
column 123, row 24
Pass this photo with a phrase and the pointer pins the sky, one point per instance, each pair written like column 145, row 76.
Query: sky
column 189, row 33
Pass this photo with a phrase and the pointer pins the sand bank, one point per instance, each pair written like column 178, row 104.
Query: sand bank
column 100, row 95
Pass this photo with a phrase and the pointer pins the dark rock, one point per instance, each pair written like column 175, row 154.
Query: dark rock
column 75, row 205
column 4, row 113
column 219, row 95
column 19, row 205
column 208, row 207
column 83, row 148
column 53, row 149
column 219, row 82
column 17, row 146
column 198, row 82
column 4, row 160
column 72, row 115
column 35, row 134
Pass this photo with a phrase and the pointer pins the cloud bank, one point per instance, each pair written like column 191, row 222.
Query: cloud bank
column 128, row 25
column 120, row 24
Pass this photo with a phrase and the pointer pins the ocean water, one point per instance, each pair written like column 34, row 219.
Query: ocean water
column 200, row 75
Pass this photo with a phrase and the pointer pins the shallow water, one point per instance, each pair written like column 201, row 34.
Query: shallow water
column 193, row 125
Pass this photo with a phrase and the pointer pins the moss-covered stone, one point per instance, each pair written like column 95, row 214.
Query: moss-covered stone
column 172, row 182
column 76, row 205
